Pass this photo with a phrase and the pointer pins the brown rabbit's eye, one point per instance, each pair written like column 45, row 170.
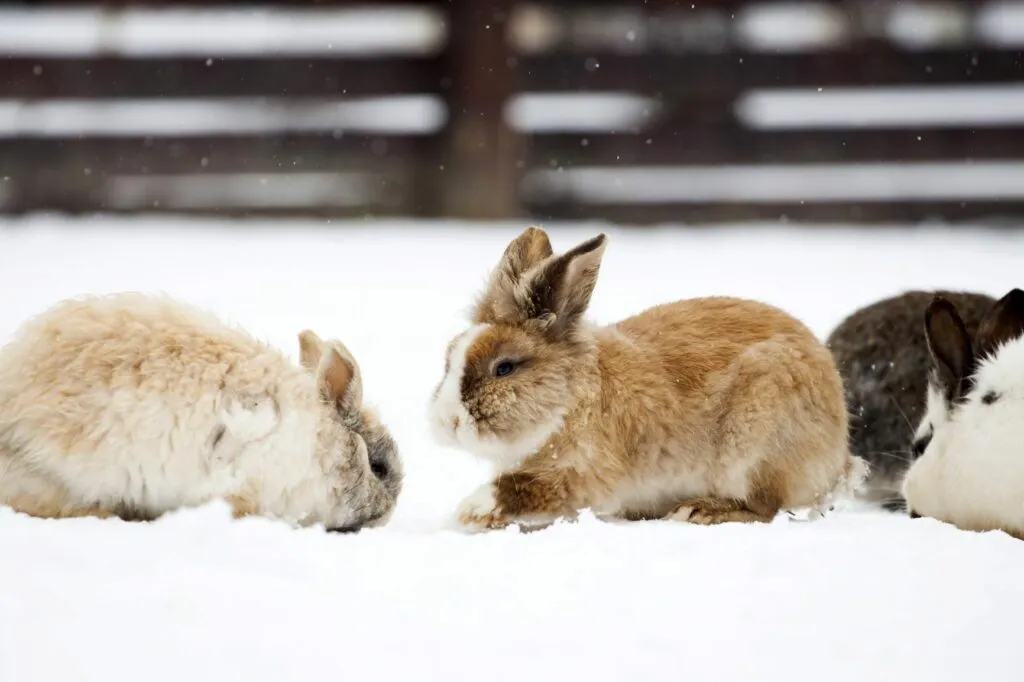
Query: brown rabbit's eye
column 505, row 368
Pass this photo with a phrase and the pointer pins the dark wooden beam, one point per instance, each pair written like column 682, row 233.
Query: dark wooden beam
column 727, row 144
column 1009, row 213
column 477, row 174
column 100, row 78
column 677, row 76
column 208, row 154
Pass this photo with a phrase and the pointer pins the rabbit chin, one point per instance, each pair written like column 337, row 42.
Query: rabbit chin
column 501, row 453
column 972, row 473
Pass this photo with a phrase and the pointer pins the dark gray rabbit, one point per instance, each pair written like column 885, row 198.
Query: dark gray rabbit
column 883, row 357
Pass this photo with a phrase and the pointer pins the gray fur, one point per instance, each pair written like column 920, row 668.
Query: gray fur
column 382, row 451
column 883, row 357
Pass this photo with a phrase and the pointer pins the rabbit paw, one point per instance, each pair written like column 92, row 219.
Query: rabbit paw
column 480, row 510
column 712, row 511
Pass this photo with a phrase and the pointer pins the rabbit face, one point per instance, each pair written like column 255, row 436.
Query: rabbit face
column 512, row 377
column 504, row 393
column 970, row 471
column 359, row 457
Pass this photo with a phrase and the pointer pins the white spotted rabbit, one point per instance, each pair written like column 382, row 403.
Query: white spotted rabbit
column 971, row 471
column 131, row 405
column 883, row 357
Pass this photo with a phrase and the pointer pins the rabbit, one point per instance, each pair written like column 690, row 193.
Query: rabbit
column 704, row 411
column 883, row 358
column 971, row 471
column 130, row 406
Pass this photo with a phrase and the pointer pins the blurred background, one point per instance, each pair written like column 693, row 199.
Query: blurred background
column 633, row 111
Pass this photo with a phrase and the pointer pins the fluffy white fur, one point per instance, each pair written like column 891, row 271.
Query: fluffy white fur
column 972, row 472
column 936, row 412
column 143, row 403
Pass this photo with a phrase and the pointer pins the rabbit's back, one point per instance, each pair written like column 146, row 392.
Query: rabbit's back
column 110, row 394
column 693, row 338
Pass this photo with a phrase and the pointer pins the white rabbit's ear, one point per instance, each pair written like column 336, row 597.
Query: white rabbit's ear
column 950, row 346
column 1003, row 323
column 340, row 378
column 311, row 348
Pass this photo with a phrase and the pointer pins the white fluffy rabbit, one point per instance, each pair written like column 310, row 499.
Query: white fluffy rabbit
column 970, row 472
column 131, row 405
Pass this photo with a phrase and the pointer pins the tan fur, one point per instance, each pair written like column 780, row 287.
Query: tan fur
column 131, row 405
column 727, row 409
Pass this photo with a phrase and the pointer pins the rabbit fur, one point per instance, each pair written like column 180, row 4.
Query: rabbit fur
column 883, row 357
column 705, row 411
column 132, row 405
column 971, row 471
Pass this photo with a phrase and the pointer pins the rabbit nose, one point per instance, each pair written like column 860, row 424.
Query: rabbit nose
column 351, row 528
column 454, row 423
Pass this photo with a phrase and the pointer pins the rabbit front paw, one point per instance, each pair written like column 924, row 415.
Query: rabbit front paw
column 481, row 511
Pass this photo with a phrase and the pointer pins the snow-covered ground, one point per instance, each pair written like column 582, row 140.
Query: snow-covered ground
column 860, row 595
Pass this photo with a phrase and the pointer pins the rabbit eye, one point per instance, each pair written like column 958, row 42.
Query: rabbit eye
column 989, row 397
column 504, row 369
column 379, row 469
column 920, row 445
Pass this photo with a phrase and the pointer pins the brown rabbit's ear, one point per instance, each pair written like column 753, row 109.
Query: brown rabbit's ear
column 950, row 346
column 558, row 292
column 340, row 379
column 498, row 303
column 1003, row 323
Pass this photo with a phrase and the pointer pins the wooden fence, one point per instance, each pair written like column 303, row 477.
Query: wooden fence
column 662, row 110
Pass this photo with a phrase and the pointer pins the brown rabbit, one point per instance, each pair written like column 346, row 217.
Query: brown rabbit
column 706, row 410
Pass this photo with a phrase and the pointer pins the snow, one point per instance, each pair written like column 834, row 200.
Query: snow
column 127, row 117
column 195, row 596
column 238, row 31
column 904, row 106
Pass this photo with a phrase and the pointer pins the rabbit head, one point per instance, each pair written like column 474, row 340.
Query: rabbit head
column 970, row 444
column 512, row 377
column 352, row 443
column 955, row 357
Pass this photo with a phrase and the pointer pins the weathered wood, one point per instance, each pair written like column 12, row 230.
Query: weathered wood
column 472, row 168
column 209, row 154
column 206, row 4
column 731, row 144
column 998, row 212
column 477, row 177
column 675, row 76
column 138, row 77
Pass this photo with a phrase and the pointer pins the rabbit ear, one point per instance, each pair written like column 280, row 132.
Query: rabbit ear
column 498, row 302
column 340, row 379
column 950, row 346
column 558, row 292
column 337, row 372
column 1003, row 323
column 311, row 348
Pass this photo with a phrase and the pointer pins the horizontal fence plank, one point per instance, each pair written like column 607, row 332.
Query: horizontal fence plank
column 1009, row 213
column 222, row 4
column 213, row 77
column 681, row 75
column 731, row 144
column 210, row 154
